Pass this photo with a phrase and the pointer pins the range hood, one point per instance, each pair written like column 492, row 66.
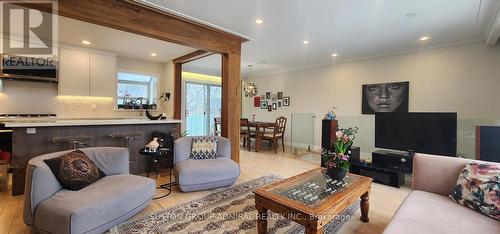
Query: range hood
column 22, row 68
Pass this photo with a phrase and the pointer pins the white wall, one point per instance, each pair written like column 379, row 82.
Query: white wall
column 34, row 97
column 463, row 79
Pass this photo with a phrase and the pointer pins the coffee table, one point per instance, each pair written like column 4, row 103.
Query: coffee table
column 312, row 199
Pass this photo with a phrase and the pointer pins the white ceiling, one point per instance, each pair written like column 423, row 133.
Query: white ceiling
column 122, row 43
column 352, row 28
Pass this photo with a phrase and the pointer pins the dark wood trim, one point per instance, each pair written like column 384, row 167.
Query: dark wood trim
column 136, row 18
column 177, row 90
column 192, row 56
column 478, row 142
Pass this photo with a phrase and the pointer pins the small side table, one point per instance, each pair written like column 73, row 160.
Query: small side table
column 149, row 157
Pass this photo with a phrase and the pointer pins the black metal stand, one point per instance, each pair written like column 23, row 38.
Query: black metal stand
column 148, row 157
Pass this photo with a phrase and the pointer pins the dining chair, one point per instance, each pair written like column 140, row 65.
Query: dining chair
column 217, row 126
column 245, row 132
column 277, row 134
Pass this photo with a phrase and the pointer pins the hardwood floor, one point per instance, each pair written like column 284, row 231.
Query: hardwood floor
column 384, row 200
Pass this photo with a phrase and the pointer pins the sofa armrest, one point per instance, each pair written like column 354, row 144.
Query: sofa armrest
column 111, row 160
column 182, row 149
column 224, row 147
column 436, row 174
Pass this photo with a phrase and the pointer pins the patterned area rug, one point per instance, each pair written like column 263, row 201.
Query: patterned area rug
column 229, row 211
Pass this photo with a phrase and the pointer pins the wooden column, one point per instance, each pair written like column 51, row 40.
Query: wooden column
column 231, row 103
column 177, row 90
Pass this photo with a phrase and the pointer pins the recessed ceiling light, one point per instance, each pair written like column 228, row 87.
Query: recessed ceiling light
column 153, row 54
column 86, row 42
column 335, row 55
column 259, row 21
column 305, row 42
column 425, row 38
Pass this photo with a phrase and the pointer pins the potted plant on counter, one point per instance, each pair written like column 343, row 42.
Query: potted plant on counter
column 337, row 160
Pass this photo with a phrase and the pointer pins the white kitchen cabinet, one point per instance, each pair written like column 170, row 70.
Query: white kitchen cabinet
column 74, row 72
column 102, row 75
column 84, row 72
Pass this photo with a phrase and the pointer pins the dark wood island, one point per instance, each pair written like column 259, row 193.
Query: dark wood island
column 33, row 138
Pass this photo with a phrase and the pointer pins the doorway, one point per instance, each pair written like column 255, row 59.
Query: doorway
column 203, row 104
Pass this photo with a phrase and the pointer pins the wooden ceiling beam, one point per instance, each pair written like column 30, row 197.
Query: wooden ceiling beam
column 139, row 19
column 192, row 56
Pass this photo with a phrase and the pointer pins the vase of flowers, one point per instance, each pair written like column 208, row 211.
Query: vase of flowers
column 337, row 160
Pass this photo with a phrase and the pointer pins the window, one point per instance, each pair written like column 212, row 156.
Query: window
column 135, row 90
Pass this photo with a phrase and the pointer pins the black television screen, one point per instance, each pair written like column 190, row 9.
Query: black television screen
column 431, row 133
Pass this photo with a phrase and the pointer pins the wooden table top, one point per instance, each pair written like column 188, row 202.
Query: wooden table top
column 356, row 185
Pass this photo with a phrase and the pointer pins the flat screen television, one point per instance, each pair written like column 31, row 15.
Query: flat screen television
column 430, row 133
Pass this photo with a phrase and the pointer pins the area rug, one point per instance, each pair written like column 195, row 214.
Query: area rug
column 229, row 211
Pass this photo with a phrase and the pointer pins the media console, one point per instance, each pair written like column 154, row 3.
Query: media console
column 387, row 167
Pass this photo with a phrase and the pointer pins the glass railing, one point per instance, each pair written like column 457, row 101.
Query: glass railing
column 302, row 133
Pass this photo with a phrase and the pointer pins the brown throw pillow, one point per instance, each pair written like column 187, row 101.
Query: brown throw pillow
column 74, row 170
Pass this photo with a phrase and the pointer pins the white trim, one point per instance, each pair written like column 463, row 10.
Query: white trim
column 176, row 13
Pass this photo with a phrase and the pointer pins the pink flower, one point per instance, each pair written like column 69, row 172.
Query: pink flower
column 345, row 157
column 339, row 134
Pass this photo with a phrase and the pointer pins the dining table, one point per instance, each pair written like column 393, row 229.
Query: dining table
column 259, row 126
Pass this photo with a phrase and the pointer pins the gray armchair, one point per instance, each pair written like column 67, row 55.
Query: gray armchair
column 193, row 175
column 48, row 207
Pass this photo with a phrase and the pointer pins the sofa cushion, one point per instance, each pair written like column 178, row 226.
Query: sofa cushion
column 74, row 170
column 193, row 172
column 478, row 187
column 204, row 147
column 424, row 212
column 93, row 206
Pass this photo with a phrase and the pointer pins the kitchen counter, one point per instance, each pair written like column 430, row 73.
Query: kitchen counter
column 37, row 136
column 57, row 122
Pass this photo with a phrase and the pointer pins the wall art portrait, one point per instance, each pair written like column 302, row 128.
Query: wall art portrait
column 256, row 101
column 268, row 95
column 385, row 97
column 269, row 108
column 286, row 101
column 263, row 105
column 274, row 97
column 280, row 95
column 275, row 106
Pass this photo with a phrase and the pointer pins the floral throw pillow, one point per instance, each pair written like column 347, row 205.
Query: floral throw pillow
column 204, row 147
column 478, row 187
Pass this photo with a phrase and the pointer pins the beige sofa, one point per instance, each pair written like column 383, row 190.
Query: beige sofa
column 428, row 209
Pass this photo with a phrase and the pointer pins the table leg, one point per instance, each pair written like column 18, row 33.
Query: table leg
column 147, row 165
column 314, row 230
column 261, row 219
column 365, row 205
column 257, row 138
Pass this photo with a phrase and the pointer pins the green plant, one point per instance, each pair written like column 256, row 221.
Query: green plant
column 338, row 157
column 345, row 138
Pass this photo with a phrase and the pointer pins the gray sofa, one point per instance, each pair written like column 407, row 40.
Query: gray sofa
column 94, row 209
column 428, row 209
column 193, row 175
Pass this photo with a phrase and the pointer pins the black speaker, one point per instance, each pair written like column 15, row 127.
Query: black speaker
column 328, row 130
column 392, row 160
column 354, row 154
column 487, row 143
